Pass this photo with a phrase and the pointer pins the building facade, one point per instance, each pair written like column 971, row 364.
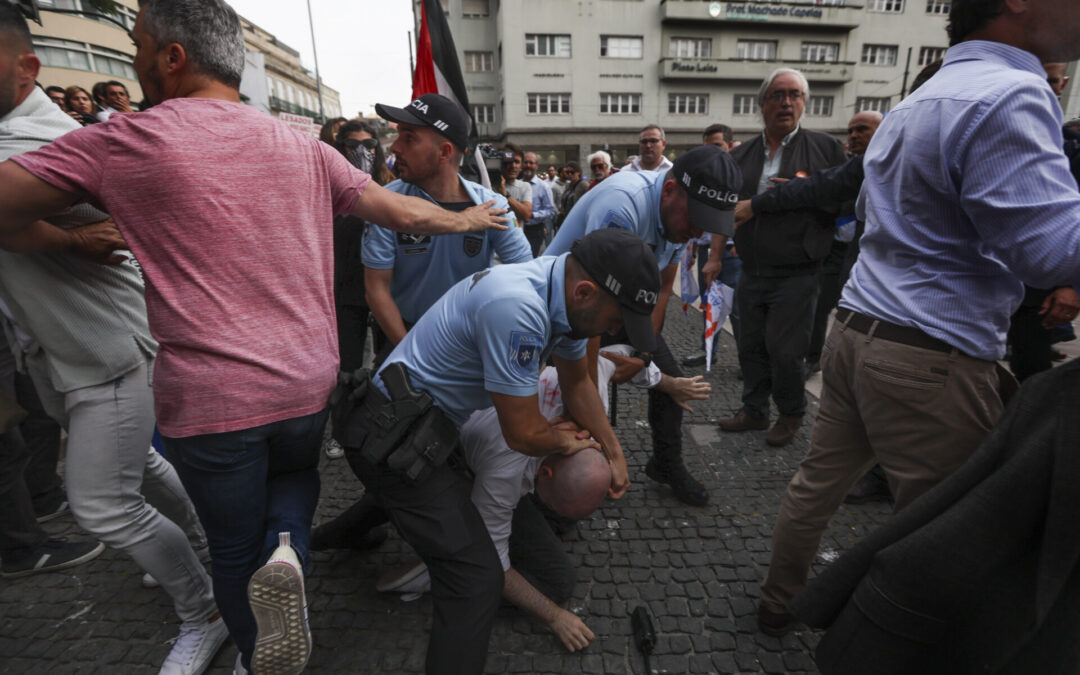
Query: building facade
column 566, row 77
column 77, row 47
column 290, row 88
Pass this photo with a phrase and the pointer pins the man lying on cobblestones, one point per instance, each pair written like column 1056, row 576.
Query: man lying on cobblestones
column 243, row 312
column 539, row 575
column 665, row 209
column 483, row 343
column 92, row 371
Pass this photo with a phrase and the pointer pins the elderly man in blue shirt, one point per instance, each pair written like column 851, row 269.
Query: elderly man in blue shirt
column 665, row 209
column 538, row 230
column 967, row 196
column 482, row 344
column 406, row 273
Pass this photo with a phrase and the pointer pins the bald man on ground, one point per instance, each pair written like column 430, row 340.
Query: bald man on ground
column 539, row 574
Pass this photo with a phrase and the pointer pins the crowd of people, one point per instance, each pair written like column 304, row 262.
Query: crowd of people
column 160, row 270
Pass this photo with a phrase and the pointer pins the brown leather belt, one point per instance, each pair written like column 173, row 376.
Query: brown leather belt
column 905, row 335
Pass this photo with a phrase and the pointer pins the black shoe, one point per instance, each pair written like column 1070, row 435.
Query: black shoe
column 872, row 487
column 684, row 486
column 695, row 360
column 777, row 624
column 53, row 555
column 52, row 512
column 322, row 541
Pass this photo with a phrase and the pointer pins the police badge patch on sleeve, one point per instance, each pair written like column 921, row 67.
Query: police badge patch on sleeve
column 472, row 244
column 525, row 349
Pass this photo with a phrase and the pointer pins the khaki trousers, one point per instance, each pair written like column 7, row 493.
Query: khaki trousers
column 919, row 413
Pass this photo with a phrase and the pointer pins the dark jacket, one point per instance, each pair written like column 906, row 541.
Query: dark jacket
column 982, row 573
column 794, row 242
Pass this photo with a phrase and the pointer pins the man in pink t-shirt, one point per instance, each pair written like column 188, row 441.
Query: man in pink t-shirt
column 229, row 213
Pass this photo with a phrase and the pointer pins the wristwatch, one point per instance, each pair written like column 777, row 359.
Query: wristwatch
column 647, row 358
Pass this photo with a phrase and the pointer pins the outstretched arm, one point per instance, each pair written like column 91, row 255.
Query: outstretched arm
column 571, row 630
column 419, row 216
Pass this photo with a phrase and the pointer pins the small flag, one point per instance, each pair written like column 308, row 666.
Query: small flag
column 717, row 307
column 687, row 279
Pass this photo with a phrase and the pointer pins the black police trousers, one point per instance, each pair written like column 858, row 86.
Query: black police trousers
column 437, row 518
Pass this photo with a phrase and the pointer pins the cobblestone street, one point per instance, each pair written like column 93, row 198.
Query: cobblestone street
column 697, row 570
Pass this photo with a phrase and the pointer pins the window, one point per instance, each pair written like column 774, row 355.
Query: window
column 621, row 47
column 880, row 104
column 688, row 104
column 756, row 50
column 620, row 104
column 82, row 56
column 745, row 104
column 484, row 113
column 820, row 106
column 928, row 55
column 549, row 104
column 879, row 55
column 538, row 44
column 474, row 9
column 938, row 6
column 690, row 48
column 478, row 62
column 823, row 52
column 891, row 6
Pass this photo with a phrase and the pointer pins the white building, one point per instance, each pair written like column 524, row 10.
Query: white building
column 566, row 77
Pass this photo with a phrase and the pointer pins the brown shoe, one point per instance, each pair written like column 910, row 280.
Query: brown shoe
column 743, row 421
column 773, row 623
column 783, row 432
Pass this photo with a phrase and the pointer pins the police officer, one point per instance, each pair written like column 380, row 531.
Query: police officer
column 404, row 273
column 665, row 209
column 482, row 344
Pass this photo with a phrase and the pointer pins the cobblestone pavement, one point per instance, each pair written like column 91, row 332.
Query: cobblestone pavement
column 697, row 570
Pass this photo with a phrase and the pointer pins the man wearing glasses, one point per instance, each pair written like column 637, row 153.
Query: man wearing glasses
column 782, row 255
column 652, row 144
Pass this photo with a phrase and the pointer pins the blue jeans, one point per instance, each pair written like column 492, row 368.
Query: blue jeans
column 247, row 486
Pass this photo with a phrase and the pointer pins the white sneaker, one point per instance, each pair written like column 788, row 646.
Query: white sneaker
column 195, row 647
column 238, row 667
column 148, row 580
column 276, row 594
column 412, row 580
column 334, row 449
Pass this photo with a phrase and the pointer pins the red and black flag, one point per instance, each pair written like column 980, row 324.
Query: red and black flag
column 438, row 72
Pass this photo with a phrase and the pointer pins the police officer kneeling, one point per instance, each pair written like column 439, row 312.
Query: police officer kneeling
column 483, row 344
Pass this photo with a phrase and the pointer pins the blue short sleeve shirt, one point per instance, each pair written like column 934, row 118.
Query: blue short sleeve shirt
column 491, row 332
column 629, row 200
column 426, row 266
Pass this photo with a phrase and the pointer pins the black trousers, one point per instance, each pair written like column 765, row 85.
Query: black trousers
column 437, row 518
column 28, row 456
column 537, row 554
column 665, row 415
column 535, row 235
column 352, row 327
column 776, row 317
column 832, row 279
column 1030, row 341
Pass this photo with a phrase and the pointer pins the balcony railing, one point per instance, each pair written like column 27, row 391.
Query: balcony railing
column 281, row 105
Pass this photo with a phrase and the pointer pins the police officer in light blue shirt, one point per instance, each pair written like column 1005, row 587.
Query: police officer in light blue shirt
column 405, row 274
column 482, row 344
column 666, row 210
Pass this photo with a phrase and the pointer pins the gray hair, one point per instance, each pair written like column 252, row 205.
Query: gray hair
column 601, row 154
column 777, row 73
column 208, row 30
column 657, row 127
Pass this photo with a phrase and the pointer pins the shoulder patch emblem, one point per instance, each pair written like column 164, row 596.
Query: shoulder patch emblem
column 477, row 277
column 524, row 356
